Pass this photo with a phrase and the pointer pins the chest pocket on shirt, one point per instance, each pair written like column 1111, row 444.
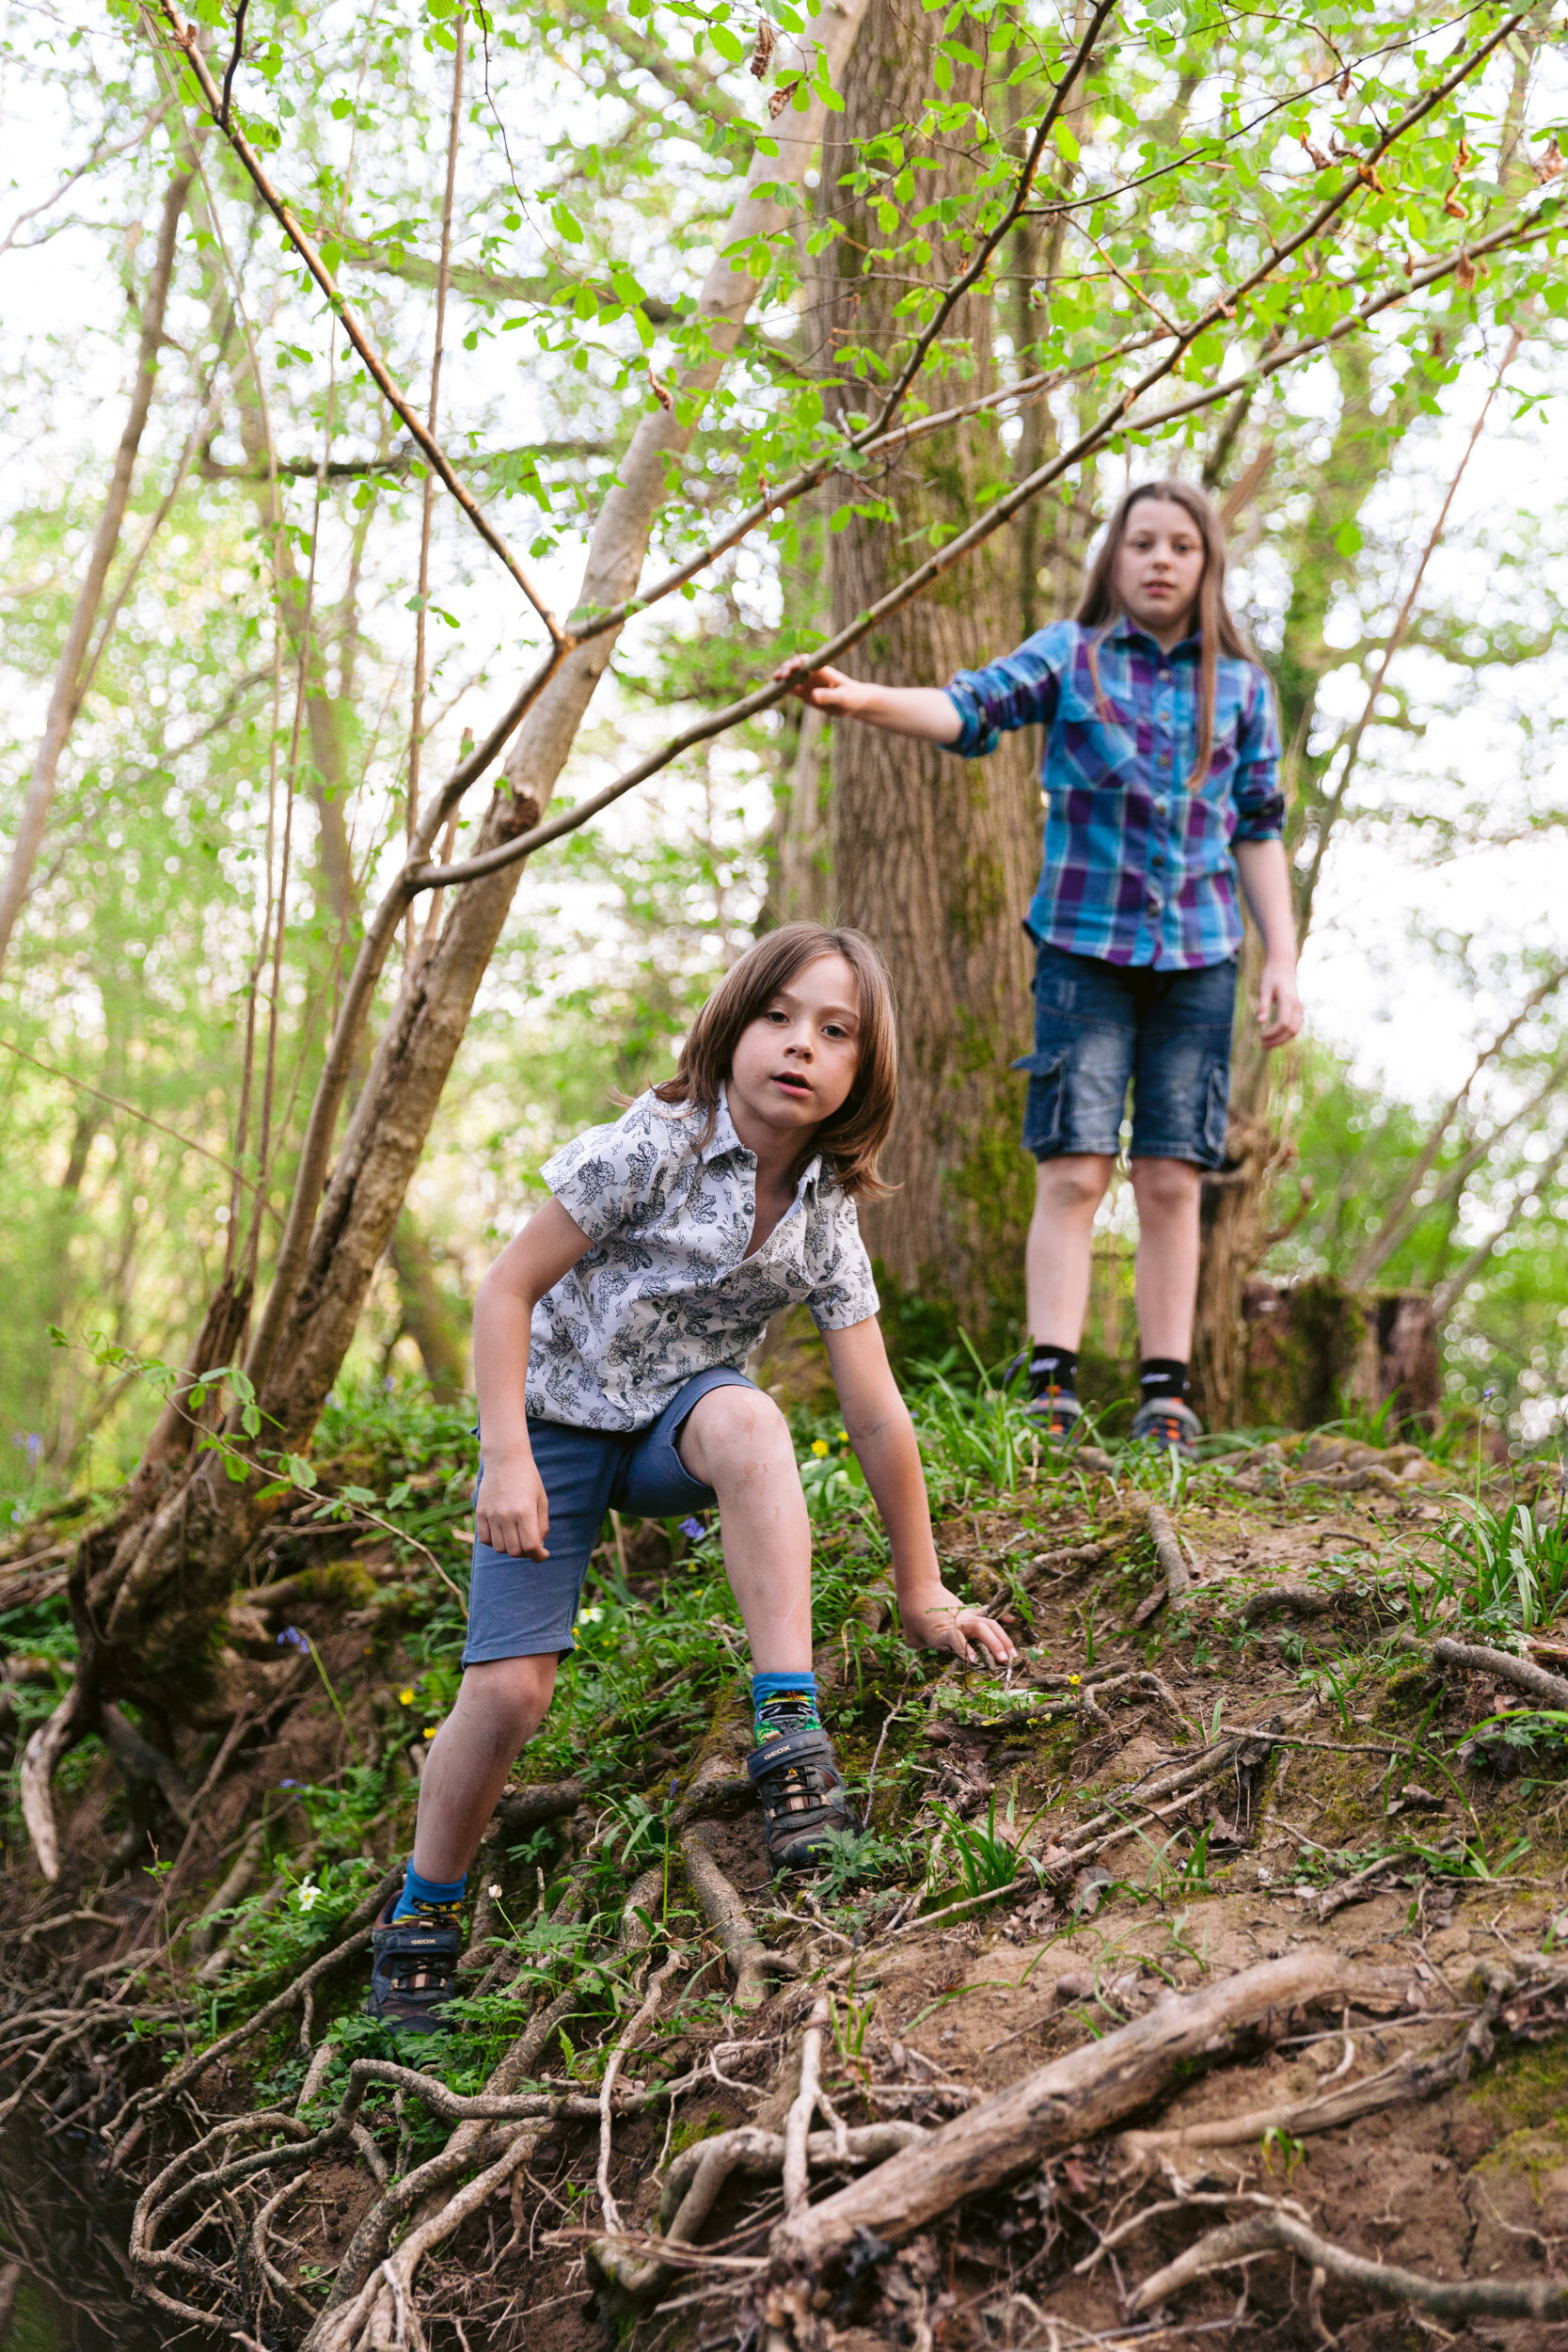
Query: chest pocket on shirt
column 1102, row 730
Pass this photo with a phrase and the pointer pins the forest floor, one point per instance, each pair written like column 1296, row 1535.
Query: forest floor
column 1196, row 1982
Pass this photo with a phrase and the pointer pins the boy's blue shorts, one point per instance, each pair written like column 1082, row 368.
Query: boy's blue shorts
column 1100, row 1027
column 521, row 1608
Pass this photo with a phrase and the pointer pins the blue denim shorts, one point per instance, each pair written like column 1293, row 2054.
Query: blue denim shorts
column 1101, row 1027
column 521, row 1608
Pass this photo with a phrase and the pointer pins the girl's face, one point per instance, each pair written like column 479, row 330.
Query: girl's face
column 794, row 1064
column 1159, row 568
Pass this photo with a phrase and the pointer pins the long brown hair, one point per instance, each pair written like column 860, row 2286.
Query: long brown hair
column 855, row 1133
column 1099, row 608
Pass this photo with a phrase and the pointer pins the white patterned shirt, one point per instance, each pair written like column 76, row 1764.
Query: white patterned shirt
column 666, row 1290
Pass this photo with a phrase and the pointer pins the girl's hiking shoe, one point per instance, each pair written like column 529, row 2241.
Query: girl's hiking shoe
column 1057, row 1418
column 413, row 1969
column 1168, row 1424
column 803, row 1800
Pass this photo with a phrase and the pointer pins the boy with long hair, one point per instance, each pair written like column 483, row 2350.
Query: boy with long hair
column 608, row 1344
column 1160, row 779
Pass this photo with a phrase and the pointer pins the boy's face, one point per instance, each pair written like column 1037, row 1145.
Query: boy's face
column 1158, row 567
column 794, row 1064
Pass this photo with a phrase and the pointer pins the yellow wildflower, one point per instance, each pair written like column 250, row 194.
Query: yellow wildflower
column 430, row 1731
column 1073, row 1680
column 405, row 1698
column 819, row 1447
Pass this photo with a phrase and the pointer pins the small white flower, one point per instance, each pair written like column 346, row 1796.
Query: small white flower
column 589, row 1615
column 308, row 1895
column 494, row 1892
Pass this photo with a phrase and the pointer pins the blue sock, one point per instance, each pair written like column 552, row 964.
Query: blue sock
column 782, row 1703
column 428, row 1894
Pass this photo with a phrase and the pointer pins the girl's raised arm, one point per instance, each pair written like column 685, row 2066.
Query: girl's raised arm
column 924, row 711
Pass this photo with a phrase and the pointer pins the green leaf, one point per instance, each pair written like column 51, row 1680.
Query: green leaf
column 1347, row 539
column 1067, row 142
column 725, row 42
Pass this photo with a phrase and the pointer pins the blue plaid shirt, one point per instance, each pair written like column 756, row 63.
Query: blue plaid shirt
column 1138, row 867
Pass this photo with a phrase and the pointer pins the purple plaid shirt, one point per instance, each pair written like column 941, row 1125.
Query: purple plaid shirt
column 1138, row 867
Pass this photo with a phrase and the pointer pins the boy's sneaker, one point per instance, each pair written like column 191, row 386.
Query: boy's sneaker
column 414, row 1968
column 1168, row 1424
column 1056, row 1417
column 803, row 1800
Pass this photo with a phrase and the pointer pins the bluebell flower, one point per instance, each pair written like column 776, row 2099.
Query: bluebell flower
column 291, row 1784
column 694, row 1527
column 295, row 1639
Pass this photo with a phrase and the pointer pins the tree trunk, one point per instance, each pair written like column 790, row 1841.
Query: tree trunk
column 145, row 1589
column 934, row 858
column 65, row 700
column 429, row 1316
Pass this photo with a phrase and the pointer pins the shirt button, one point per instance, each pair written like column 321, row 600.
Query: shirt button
column 1162, row 804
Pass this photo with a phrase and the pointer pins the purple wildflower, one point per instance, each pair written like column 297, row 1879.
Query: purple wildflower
column 693, row 1528
column 295, row 1639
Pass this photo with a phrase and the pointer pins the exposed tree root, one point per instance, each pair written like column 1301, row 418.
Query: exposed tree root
column 743, row 1947
column 1073, row 2099
column 1546, row 1689
column 1279, row 2232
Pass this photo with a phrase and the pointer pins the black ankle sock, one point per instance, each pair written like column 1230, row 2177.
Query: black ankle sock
column 1053, row 1368
column 1162, row 1379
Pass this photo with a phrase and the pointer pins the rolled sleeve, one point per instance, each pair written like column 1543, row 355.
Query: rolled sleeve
column 1019, row 690
column 1259, row 802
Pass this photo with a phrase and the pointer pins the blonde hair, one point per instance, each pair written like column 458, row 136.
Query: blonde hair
column 856, row 1131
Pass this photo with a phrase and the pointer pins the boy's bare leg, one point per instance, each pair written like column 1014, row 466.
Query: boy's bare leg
column 736, row 1442
column 499, row 1706
column 1167, row 1193
column 1058, row 1254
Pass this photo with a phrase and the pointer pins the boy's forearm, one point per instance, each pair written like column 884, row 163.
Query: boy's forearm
column 891, row 1459
column 1266, row 880
column 503, row 1324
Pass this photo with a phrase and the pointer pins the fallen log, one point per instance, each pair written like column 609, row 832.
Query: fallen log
column 1073, row 2099
column 1281, row 2233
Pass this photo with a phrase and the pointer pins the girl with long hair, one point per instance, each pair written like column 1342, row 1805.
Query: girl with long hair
column 610, row 1338
column 1159, row 774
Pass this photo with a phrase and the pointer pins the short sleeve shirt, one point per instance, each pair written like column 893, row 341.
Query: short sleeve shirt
column 665, row 1289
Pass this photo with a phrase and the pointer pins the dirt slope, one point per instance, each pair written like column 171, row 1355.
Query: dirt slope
column 1228, row 1749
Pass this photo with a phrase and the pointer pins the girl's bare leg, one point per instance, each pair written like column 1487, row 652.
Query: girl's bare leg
column 736, row 1442
column 1167, row 1193
column 1068, row 1193
column 499, row 1706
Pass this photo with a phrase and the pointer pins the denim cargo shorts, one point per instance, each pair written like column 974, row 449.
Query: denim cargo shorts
column 1101, row 1027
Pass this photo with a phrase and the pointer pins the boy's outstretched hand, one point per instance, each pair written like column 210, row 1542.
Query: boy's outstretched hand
column 938, row 1619
column 825, row 688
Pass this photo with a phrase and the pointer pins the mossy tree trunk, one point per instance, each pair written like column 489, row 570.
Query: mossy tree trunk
column 934, row 857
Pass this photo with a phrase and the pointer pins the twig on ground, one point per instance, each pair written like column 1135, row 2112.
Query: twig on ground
column 797, row 2124
column 606, row 2088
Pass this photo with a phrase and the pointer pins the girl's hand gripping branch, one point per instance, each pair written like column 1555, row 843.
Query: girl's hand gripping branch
column 924, row 711
column 883, row 1435
column 511, row 1512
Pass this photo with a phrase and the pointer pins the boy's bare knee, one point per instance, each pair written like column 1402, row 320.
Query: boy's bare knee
column 732, row 1421
column 509, row 1697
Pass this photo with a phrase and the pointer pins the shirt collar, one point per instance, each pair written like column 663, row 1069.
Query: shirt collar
column 1127, row 631
column 724, row 1139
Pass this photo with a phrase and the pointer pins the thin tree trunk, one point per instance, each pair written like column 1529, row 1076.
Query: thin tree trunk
column 933, row 857
column 399, row 1098
column 143, row 1589
column 65, row 699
